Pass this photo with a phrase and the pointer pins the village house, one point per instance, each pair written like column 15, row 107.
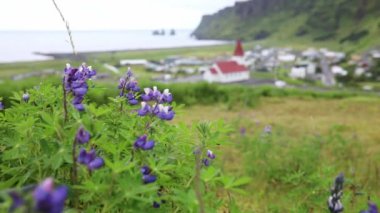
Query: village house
column 303, row 69
column 227, row 71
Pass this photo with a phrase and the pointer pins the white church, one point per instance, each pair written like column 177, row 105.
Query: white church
column 228, row 71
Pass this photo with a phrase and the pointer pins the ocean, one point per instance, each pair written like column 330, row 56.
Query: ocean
column 18, row 46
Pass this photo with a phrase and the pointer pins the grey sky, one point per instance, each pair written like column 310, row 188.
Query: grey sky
column 106, row 14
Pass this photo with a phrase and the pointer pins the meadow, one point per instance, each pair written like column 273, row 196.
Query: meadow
column 277, row 150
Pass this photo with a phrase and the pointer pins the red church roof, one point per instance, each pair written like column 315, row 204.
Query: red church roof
column 227, row 67
column 239, row 49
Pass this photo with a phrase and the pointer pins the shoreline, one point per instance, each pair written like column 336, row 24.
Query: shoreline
column 84, row 54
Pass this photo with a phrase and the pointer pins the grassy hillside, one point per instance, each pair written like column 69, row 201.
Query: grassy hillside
column 342, row 24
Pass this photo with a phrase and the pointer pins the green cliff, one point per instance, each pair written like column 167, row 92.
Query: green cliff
column 342, row 22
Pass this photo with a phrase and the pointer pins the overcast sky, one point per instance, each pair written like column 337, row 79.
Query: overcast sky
column 106, row 14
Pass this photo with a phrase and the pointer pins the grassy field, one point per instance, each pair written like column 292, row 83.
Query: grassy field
column 315, row 135
column 97, row 60
column 311, row 142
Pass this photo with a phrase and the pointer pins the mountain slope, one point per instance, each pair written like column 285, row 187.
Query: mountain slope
column 346, row 21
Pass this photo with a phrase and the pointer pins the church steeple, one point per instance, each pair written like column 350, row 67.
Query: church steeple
column 239, row 49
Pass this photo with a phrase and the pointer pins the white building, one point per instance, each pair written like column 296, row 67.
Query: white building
column 226, row 72
column 303, row 69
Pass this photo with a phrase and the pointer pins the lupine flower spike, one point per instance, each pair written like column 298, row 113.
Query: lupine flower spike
column 25, row 97
column 372, row 208
column 210, row 156
column 268, row 129
column 17, row 201
column 128, row 87
column 75, row 82
column 243, row 131
column 334, row 203
column 1, row 106
column 164, row 112
column 49, row 200
column 156, row 205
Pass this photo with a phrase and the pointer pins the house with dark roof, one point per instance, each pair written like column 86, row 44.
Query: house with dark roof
column 228, row 71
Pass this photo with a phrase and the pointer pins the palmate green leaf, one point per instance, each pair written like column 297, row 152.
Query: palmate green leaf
column 59, row 158
column 25, row 125
column 209, row 174
column 187, row 198
column 233, row 184
column 16, row 96
column 19, row 151
column 8, row 183
column 98, row 112
column 118, row 167
column 241, row 181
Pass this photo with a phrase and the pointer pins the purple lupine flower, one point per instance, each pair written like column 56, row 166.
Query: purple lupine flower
column 372, row 208
column 75, row 81
column 49, row 200
column 165, row 112
column 156, row 205
column 148, row 94
column 79, row 107
column 210, row 154
column 145, row 109
column 333, row 202
column 147, row 176
column 268, row 129
column 90, row 72
column 128, row 86
column 122, row 82
column 129, row 72
column 132, row 85
column 206, row 162
column 151, row 94
column 82, row 136
column 97, row 163
column 25, row 97
column 77, row 100
column 90, row 159
column 148, row 145
column 142, row 143
column 82, row 156
column 17, row 201
column 145, row 170
column 149, row 179
column 166, row 97
column 1, row 106
column 243, row 131
column 80, row 91
column 155, row 109
column 133, row 102
column 131, row 98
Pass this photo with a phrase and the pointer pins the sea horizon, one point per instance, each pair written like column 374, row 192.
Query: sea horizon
column 20, row 45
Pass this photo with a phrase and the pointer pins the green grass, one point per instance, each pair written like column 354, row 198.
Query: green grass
column 312, row 141
column 158, row 54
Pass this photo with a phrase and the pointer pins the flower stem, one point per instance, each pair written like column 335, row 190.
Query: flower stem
column 197, row 182
column 64, row 99
column 74, row 173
